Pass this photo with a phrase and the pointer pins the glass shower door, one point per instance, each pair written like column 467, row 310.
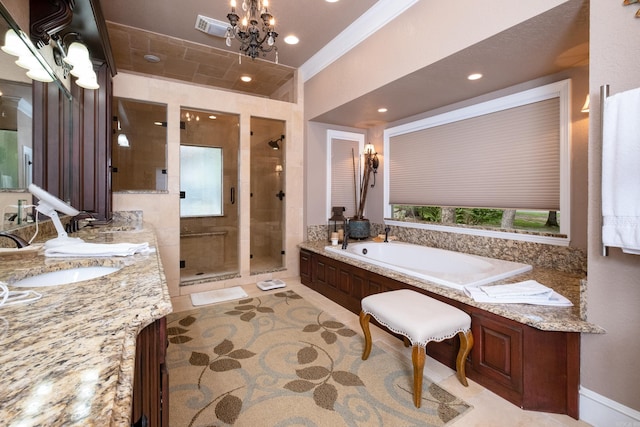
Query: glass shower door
column 208, row 210
column 267, row 195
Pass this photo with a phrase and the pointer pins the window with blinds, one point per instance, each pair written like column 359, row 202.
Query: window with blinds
column 507, row 159
column 509, row 154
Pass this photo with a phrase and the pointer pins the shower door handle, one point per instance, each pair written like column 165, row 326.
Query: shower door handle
column 233, row 195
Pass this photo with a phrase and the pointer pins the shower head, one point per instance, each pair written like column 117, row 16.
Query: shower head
column 274, row 143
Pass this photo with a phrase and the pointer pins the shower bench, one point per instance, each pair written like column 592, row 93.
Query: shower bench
column 531, row 368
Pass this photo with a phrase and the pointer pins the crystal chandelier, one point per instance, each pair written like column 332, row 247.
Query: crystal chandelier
column 253, row 39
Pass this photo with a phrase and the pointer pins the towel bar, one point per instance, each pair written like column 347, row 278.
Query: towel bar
column 604, row 93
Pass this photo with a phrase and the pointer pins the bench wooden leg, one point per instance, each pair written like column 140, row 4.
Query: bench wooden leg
column 364, row 323
column 466, row 343
column 418, row 356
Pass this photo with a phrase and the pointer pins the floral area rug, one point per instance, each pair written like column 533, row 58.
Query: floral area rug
column 277, row 360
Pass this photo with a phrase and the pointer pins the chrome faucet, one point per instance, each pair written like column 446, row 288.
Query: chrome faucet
column 345, row 239
column 20, row 243
column 387, row 229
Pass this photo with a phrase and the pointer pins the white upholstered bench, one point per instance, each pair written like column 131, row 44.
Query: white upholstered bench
column 420, row 319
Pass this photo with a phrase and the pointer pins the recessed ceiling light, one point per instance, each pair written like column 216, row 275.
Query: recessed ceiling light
column 382, row 110
column 331, row 1
column 152, row 58
column 245, row 79
column 291, row 39
column 474, row 76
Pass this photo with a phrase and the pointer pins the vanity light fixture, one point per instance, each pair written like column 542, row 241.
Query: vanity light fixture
column 278, row 169
column 212, row 117
column 75, row 60
column 15, row 45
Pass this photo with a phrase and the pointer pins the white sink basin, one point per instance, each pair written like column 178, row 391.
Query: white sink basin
column 64, row 277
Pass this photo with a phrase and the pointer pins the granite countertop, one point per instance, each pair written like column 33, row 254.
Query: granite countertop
column 68, row 358
column 546, row 318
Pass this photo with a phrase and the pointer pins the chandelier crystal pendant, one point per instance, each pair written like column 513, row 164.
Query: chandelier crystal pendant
column 254, row 40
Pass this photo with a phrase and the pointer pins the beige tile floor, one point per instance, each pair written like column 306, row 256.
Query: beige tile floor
column 489, row 410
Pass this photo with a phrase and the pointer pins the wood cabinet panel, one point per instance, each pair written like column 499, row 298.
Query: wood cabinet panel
column 151, row 377
column 497, row 351
column 534, row 369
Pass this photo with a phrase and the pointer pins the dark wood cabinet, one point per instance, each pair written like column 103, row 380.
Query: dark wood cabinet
column 72, row 139
column 534, row 369
column 151, row 377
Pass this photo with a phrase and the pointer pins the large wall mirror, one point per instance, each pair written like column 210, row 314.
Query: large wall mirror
column 16, row 125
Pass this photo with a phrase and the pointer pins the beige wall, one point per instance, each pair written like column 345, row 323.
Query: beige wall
column 609, row 362
column 385, row 56
column 162, row 209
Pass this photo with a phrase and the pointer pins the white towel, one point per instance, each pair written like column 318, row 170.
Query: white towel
column 621, row 171
column 552, row 299
column 528, row 288
column 97, row 250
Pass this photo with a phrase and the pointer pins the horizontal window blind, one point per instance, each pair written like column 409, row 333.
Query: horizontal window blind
column 506, row 159
column 342, row 184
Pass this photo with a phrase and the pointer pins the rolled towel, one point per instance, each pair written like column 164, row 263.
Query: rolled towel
column 520, row 289
column 97, row 250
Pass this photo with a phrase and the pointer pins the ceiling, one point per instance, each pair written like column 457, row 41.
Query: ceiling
column 543, row 45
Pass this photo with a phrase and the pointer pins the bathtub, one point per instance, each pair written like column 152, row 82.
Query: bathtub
column 447, row 268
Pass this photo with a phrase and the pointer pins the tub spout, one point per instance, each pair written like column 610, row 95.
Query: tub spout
column 387, row 229
column 20, row 243
column 345, row 239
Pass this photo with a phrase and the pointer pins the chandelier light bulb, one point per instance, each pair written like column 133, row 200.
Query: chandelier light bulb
column 270, row 41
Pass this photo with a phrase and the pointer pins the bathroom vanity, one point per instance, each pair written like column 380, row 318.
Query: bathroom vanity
column 92, row 352
column 529, row 355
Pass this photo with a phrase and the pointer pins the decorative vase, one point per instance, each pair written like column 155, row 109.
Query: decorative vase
column 359, row 228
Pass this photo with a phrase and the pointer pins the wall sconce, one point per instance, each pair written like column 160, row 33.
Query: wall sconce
column 585, row 107
column 16, row 45
column 75, row 60
column 278, row 169
column 371, row 157
column 274, row 143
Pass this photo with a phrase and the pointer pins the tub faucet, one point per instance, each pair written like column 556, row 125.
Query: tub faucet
column 20, row 243
column 345, row 239
column 387, row 229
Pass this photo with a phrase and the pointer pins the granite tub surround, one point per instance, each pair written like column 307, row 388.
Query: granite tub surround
column 565, row 319
column 561, row 258
column 68, row 358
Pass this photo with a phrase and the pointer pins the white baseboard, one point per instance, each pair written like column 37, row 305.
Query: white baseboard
column 600, row 411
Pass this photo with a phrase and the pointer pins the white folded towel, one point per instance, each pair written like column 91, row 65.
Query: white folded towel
column 517, row 290
column 621, row 171
column 527, row 292
column 97, row 250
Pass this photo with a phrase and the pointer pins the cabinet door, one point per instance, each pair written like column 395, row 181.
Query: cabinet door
column 497, row 351
column 305, row 268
